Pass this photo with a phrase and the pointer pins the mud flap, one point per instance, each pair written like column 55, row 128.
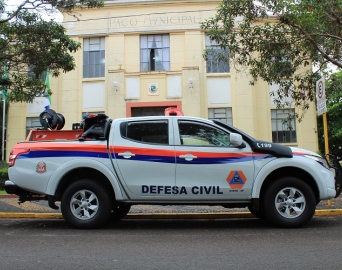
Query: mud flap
column 338, row 172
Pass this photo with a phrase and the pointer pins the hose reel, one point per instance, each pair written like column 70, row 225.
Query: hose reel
column 50, row 120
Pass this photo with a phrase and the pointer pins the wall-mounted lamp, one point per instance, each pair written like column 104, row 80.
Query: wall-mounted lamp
column 191, row 86
column 115, row 86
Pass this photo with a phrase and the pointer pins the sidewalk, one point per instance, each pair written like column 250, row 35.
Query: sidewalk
column 9, row 208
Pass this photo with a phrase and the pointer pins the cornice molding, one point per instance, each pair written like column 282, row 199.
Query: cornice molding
column 159, row 2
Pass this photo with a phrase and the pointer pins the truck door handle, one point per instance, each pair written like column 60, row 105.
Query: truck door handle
column 126, row 154
column 188, row 157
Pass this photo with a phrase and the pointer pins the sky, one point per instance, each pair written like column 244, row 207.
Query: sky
column 12, row 4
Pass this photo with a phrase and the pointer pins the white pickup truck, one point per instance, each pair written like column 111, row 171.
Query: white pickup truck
column 168, row 160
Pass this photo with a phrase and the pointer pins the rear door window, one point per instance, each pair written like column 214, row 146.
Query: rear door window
column 151, row 132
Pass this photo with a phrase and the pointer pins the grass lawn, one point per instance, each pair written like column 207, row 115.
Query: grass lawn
column 2, row 192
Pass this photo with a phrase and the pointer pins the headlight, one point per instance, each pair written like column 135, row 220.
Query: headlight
column 320, row 160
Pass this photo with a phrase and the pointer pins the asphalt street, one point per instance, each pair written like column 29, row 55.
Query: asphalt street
column 170, row 244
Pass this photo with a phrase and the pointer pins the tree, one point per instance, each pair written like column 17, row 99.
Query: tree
column 279, row 41
column 29, row 45
column 333, row 89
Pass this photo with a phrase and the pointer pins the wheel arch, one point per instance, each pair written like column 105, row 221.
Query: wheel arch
column 289, row 172
column 83, row 173
column 91, row 169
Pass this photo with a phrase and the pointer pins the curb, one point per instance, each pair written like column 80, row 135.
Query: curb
column 8, row 196
column 332, row 212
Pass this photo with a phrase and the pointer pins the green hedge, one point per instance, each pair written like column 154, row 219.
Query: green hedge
column 3, row 177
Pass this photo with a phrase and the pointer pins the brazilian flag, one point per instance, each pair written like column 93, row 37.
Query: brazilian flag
column 47, row 102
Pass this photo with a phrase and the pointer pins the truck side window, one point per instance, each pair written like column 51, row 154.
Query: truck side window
column 155, row 132
column 198, row 134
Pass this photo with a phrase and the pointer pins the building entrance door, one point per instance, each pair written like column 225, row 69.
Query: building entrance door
column 148, row 111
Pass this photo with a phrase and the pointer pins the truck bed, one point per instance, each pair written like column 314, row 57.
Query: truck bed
column 46, row 135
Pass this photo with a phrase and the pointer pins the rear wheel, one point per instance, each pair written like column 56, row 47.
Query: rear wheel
column 85, row 204
column 289, row 202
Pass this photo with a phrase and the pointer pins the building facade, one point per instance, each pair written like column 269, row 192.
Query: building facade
column 140, row 57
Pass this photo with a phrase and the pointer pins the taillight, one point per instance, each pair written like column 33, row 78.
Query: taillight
column 15, row 153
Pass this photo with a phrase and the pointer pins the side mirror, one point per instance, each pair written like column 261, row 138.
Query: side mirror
column 236, row 140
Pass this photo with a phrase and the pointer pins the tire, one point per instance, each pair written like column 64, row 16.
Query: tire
column 86, row 205
column 289, row 202
column 257, row 213
column 119, row 211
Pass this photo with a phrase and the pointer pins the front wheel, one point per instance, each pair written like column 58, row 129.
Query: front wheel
column 289, row 202
column 86, row 205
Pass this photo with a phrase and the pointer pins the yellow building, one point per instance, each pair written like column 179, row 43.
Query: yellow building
column 139, row 57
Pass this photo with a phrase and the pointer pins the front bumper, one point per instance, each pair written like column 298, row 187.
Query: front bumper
column 332, row 193
column 338, row 172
